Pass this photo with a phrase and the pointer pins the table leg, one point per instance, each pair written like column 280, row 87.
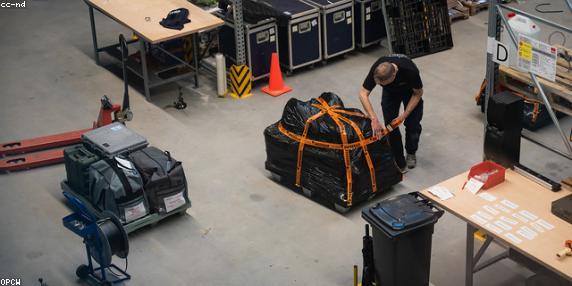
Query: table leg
column 196, row 59
column 469, row 263
column 144, row 69
column 93, row 35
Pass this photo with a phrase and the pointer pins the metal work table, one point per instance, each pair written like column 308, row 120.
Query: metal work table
column 143, row 17
column 539, row 252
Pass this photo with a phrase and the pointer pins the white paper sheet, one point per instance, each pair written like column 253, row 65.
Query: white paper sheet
column 487, row 197
column 441, row 192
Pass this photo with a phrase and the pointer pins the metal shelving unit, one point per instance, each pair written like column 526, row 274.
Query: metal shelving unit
column 495, row 19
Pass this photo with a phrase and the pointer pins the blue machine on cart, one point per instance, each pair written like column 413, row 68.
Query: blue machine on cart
column 337, row 26
column 103, row 238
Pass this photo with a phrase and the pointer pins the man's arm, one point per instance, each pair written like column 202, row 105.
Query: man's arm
column 375, row 125
column 415, row 98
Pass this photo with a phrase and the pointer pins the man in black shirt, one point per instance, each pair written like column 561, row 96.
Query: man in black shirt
column 400, row 79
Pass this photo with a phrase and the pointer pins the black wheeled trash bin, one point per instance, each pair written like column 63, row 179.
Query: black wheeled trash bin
column 402, row 234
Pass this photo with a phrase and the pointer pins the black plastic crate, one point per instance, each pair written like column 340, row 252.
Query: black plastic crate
column 417, row 28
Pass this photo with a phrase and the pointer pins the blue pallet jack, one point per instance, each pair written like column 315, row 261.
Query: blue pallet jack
column 103, row 238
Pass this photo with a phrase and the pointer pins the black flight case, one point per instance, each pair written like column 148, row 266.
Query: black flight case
column 299, row 29
column 337, row 26
column 370, row 22
column 260, row 40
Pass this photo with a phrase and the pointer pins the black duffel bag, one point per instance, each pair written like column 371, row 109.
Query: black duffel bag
column 115, row 185
column 164, row 179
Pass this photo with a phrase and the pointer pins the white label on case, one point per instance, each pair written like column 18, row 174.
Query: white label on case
column 271, row 31
column 368, row 9
column 314, row 22
column 528, row 215
column 295, row 28
column 509, row 220
column 135, row 212
column 349, row 20
column 513, row 238
column 173, row 202
column 367, row 17
column 491, row 210
column 494, row 228
column 348, row 13
column 509, row 204
column 503, row 225
column 272, row 38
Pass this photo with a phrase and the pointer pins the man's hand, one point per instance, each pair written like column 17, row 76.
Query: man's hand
column 377, row 128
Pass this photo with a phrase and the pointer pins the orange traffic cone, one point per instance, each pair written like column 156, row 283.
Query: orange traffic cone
column 276, row 85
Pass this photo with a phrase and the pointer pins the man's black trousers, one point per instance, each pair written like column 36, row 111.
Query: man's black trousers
column 390, row 104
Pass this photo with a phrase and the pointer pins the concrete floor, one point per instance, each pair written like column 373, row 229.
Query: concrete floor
column 243, row 228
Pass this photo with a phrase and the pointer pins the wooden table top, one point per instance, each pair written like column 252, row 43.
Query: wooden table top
column 143, row 17
column 528, row 196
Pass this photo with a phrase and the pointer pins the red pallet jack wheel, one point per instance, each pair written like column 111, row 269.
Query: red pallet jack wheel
column 108, row 113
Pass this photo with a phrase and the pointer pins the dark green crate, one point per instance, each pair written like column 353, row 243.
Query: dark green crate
column 78, row 159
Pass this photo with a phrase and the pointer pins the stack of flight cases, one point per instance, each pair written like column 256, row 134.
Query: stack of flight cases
column 369, row 22
column 260, row 39
column 337, row 26
column 299, row 29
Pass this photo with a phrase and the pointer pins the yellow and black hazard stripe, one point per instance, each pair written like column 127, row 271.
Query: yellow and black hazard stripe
column 240, row 81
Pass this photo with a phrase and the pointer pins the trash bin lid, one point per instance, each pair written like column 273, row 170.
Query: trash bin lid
column 402, row 213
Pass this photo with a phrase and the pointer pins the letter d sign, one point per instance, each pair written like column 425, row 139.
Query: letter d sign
column 500, row 53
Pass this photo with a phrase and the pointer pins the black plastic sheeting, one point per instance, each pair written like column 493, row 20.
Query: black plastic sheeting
column 323, row 170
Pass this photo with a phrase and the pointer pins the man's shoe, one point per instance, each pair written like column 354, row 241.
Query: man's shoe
column 403, row 170
column 411, row 161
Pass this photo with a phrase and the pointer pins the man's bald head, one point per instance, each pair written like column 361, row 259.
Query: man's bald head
column 384, row 73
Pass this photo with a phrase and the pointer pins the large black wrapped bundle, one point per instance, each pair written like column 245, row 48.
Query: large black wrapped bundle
column 321, row 166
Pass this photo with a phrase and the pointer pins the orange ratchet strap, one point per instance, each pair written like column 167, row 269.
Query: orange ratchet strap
column 334, row 112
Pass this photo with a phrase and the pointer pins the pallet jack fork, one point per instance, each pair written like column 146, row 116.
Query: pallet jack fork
column 108, row 113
